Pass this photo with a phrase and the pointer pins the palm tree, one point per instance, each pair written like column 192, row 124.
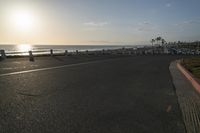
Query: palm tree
column 163, row 41
column 152, row 41
column 158, row 39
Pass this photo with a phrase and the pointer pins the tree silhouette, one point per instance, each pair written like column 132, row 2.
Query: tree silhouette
column 163, row 41
column 158, row 39
column 152, row 41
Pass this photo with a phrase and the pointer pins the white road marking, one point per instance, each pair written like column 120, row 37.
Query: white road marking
column 50, row 68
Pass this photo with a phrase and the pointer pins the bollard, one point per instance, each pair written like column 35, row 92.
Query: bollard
column 51, row 52
column 3, row 54
column 86, row 52
column 31, row 58
column 66, row 52
column 103, row 51
column 76, row 52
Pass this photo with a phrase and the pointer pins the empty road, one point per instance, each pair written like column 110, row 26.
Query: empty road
column 120, row 95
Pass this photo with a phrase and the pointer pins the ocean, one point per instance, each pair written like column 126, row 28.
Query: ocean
column 13, row 50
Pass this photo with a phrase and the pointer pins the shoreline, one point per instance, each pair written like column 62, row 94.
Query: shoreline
column 52, row 52
column 148, row 50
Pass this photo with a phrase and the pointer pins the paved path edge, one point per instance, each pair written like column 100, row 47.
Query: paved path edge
column 188, row 99
column 190, row 77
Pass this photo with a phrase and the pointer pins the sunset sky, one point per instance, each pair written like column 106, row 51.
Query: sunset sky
column 98, row 21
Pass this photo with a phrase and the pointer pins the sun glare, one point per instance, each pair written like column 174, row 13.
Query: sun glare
column 22, row 20
column 24, row 47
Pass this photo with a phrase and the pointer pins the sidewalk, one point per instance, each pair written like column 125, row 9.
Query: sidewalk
column 23, row 64
column 188, row 98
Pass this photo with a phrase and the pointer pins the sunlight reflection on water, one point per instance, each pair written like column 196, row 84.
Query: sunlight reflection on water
column 24, row 47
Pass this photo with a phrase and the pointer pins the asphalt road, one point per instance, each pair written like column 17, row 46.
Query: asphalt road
column 121, row 95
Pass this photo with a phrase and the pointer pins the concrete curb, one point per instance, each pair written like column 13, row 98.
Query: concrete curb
column 188, row 97
column 189, row 76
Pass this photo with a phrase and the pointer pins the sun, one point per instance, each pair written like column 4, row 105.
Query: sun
column 22, row 20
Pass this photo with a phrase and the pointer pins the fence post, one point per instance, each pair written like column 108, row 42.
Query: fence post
column 3, row 54
column 31, row 58
column 66, row 52
column 51, row 52
column 86, row 52
column 103, row 51
column 76, row 52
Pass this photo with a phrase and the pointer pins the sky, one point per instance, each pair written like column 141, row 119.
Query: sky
column 98, row 21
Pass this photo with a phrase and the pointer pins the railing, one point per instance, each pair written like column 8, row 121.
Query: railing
column 122, row 51
column 51, row 52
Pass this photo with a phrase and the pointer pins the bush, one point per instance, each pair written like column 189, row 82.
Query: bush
column 192, row 65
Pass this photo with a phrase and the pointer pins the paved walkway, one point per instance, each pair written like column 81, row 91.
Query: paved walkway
column 121, row 95
column 188, row 98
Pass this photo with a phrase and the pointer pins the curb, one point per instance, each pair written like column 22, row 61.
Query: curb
column 189, row 76
column 188, row 97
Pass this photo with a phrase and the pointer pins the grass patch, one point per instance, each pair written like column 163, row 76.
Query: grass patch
column 192, row 65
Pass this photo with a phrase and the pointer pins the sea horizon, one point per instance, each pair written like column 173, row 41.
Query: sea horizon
column 24, row 48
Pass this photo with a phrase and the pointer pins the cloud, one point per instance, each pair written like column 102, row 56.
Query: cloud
column 145, row 27
column 168, row 5
column 146, row 23
column 186, row 26
column 100, row 41
column 188, row 23
column 192, row 22
column 96, row 24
